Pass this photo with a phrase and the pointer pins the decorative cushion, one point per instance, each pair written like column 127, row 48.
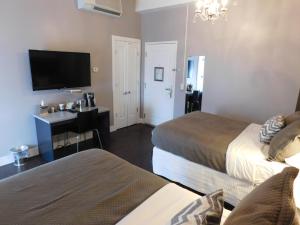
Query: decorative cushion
column 206, row 210
column 286, row 143
column 292, row 118
column 294, row 161
column 271, row 203
column 270, row 128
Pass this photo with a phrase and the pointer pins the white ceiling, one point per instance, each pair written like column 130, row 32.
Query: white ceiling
column 144, row 5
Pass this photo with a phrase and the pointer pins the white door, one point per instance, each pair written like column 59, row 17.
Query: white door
column 133, row 83
column 160, row 72
column 126, row 81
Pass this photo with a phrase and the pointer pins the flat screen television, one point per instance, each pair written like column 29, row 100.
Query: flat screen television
column 58, row 70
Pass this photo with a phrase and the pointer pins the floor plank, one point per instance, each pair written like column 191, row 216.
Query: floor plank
column 132, row 144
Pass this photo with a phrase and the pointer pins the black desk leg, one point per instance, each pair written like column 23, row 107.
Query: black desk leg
column 44, row 136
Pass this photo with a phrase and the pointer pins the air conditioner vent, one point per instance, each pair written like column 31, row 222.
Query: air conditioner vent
column 107, row 11
column 108, row 7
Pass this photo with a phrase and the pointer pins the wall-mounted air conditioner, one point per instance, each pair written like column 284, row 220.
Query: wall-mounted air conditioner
column 108, row 7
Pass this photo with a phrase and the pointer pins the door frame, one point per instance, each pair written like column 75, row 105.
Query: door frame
column 176, row 66
column 116, row 38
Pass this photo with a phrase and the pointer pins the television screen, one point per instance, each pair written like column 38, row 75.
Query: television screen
column 57, row 70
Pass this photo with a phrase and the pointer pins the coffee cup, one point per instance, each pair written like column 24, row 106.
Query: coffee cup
column 61, row 107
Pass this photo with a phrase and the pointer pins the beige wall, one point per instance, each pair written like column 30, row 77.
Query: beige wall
column 252, row 61
column 53, row 25
column 167, row 25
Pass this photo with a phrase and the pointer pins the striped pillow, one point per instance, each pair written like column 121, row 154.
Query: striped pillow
column 271, row 128
column 203, row 211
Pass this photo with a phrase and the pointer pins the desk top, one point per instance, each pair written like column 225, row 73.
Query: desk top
column 65, row 115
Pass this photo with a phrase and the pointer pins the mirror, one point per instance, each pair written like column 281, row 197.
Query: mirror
column 194, row 83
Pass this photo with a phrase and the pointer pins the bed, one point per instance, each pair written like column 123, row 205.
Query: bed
column 96, row 187
column 91, row 187
column 205, row 152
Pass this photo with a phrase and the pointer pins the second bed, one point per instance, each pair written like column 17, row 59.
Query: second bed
column 205, row 152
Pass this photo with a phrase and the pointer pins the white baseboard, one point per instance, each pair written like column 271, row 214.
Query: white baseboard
column 4, row 160
column 8, row 159
column 112, row 128
column 141, row 120
column 58, row 140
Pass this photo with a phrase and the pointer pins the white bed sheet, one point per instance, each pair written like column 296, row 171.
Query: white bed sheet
column 246, row 158
column 198, row 177
column 206, row 180
column 162, row 206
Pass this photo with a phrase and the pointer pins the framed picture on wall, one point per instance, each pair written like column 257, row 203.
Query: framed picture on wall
column 159, row 74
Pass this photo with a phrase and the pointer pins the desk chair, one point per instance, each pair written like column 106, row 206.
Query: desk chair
column 195, row 104
column 85, row 122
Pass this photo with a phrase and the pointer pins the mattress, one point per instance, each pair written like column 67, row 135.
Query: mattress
column 162, row 206
column 198, row 177
column 92, row 187
column 246, row 158
column 206, row 180
column 199, row 137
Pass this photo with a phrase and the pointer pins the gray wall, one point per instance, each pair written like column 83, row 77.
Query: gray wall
column 167, row 25
column 53, row 25
column 252, row 61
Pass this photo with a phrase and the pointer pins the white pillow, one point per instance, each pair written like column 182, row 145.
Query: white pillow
column 295, row 162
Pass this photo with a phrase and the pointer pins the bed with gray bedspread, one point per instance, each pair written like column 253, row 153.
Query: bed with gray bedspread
column 93, row 187
column 200, row 137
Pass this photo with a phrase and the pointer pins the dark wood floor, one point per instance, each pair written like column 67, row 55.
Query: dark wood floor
column 132, row 144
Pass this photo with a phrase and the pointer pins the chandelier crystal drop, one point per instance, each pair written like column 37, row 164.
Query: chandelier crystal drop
column 210, row 10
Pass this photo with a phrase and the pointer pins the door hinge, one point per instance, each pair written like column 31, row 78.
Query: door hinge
column 144, row 115
column 137, row 109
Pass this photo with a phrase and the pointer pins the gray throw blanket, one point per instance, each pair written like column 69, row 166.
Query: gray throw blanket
column 93, row 187
column 199, row 137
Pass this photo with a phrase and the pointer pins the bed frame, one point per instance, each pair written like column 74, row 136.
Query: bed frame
column 199, row 178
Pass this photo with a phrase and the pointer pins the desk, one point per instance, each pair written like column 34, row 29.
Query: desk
column 60, row 122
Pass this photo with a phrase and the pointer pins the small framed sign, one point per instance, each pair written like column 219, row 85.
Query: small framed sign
column 159, row 74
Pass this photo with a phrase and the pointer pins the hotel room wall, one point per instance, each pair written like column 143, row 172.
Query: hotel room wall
column 166, row 25
column 53, row 25
column 252, row 60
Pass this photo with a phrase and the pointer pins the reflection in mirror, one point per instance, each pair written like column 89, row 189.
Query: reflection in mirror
column 194, row 83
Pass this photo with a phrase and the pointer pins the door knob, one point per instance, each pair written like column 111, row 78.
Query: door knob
column 127, row 93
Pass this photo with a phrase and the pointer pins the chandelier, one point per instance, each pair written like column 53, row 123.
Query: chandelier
column 210, row 10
